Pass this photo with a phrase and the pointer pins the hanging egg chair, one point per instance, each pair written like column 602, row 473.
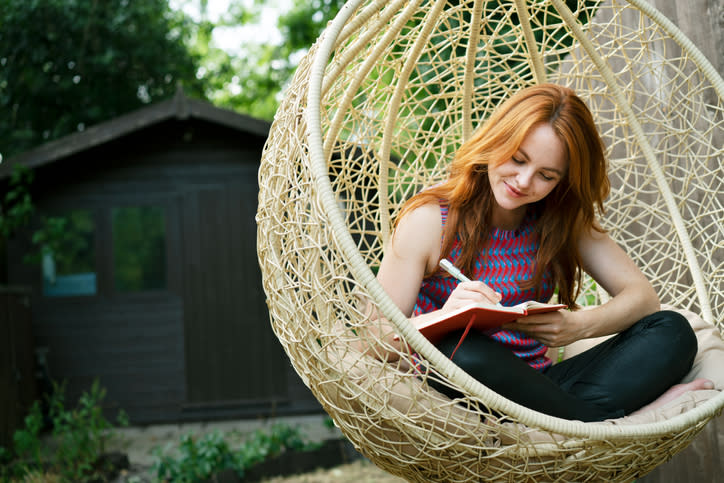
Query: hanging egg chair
column 375, row 112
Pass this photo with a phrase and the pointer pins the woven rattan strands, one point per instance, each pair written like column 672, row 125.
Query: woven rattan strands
column 376, row 110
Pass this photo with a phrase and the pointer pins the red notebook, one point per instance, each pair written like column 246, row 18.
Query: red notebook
column 481, row 317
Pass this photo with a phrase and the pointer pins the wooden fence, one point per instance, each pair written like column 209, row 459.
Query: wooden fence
column 18, row 388
column 702, row 21
column 700, row 462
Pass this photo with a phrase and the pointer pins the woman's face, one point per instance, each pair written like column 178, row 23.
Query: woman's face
column 529, row 176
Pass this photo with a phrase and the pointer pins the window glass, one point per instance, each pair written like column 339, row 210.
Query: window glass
column 139, row 248
column 68, row 263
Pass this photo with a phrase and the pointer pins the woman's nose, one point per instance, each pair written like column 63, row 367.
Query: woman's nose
column 524, row 177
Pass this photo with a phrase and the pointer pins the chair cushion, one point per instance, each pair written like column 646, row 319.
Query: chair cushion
column 709, row 361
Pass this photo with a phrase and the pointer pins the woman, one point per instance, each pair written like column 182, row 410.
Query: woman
column 517, row 216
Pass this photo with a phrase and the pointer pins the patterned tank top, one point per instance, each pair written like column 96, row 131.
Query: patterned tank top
column 510, row 258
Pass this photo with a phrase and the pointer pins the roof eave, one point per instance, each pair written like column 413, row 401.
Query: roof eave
column 179, row 107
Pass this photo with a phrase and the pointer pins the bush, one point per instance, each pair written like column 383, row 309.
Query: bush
column 197, row 460
column 79, row 436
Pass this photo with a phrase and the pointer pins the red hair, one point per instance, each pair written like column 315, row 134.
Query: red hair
column 566, row 213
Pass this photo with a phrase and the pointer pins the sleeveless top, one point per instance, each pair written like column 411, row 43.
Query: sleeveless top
column 510, row 257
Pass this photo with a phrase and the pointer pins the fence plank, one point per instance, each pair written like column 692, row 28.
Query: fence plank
column 18, row 387
column 700, row 462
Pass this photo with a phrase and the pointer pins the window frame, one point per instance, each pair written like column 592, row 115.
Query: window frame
column 102, row 216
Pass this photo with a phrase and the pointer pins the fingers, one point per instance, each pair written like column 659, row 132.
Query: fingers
column 546, row 328
column 476, row 291
column 473, row 292
column 550, row 339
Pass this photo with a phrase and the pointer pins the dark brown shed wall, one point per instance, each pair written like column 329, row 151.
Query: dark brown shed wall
column 135, row 348
column 203, row 348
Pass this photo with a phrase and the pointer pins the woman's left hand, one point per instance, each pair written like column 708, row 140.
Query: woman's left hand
column 554, row 329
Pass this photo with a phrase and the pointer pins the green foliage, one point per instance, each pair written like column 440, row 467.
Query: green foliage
column 198, row 459
column 589, row 293
column 78, row 436
column 50, row 234
column 252, row 81
column 80, row 433
column 96, row 60
column 69, row 239
column 26, row 441
column 67, row 64
column 329, row 424
column 139, row 248
column 301, row 26
column 16, row 207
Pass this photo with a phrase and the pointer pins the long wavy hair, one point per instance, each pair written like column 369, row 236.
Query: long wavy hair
column 566, row 213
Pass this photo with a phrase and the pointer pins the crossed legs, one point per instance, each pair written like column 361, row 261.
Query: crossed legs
column 632, row 371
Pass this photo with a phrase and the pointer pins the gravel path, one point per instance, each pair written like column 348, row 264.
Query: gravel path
column 361, row 471
column 358, row 472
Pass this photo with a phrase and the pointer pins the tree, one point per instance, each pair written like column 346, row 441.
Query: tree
column 302, row 25
column 68, row 64
column 246, row 81
column 254, row 81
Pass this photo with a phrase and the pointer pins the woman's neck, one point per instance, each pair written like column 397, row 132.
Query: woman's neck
column 507, row 219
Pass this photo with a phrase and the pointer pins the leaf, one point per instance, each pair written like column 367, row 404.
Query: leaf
column 68, row 63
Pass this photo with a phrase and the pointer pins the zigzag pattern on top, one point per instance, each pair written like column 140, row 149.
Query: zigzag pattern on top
column 509, row 258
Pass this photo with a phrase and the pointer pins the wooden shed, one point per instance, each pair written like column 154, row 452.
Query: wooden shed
column 156, row 289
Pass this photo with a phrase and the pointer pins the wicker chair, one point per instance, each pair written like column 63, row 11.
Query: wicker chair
column 376, row 110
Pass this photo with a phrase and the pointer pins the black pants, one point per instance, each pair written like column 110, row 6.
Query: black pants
column 610, row 380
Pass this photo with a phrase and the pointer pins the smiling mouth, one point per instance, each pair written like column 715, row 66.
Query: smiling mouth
column 515, row 192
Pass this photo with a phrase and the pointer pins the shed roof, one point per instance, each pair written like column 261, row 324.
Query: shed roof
column 179, row 107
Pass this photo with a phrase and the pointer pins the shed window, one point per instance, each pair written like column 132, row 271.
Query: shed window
column 68, row 265
column 139, row 248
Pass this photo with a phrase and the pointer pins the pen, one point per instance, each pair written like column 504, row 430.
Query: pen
column 452, row 270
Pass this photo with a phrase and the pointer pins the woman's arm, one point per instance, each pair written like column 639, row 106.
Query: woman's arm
column 413, row 250
column 633, row 297
column 407, row 256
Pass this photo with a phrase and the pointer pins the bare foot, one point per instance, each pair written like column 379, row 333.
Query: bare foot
column 675, row 391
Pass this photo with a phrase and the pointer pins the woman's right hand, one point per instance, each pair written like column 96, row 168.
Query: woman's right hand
column 472, row 292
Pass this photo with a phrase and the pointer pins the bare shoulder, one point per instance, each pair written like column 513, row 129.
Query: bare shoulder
column 596, row 246
column 422, row 223
column 425, row 216
column 418, row 233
